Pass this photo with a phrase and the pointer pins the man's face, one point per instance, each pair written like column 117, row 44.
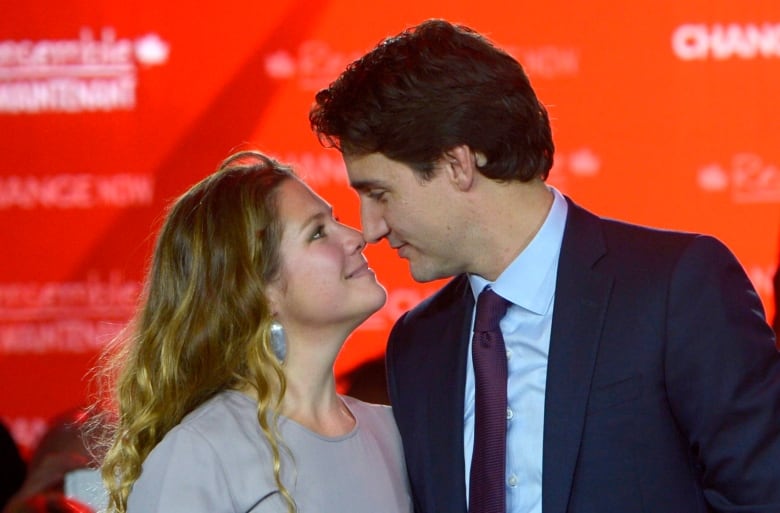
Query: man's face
column 417, row 217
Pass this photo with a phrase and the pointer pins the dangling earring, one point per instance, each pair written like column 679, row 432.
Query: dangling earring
column 278, row 340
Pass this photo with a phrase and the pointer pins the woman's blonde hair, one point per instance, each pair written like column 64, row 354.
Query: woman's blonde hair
column 203, row 322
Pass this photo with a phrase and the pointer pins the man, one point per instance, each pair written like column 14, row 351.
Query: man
column 642, row 375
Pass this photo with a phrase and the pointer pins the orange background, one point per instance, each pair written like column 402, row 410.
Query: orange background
column 664, row 113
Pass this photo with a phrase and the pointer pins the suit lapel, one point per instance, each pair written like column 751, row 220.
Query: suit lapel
column 445, row 406
column 581, row 299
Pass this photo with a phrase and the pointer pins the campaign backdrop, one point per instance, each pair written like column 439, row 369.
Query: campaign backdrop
column 664, row 113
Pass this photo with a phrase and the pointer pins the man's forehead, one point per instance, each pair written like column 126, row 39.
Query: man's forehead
column 368, row 170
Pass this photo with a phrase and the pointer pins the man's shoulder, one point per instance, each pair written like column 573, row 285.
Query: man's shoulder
column 629, row 245
column 628, row 233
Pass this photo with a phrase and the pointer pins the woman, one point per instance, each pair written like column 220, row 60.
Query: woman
column 226, row 396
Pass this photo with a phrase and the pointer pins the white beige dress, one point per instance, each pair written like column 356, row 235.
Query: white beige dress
column 217, row 460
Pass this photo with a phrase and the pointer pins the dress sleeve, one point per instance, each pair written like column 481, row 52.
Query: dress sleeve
column 182, row 474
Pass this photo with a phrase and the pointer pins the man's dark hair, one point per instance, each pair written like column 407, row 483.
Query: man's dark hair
column 429, row 89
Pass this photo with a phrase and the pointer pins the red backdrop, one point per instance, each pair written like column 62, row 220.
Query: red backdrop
column 664, row 113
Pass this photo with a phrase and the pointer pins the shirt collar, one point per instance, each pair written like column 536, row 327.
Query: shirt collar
column 529, row 280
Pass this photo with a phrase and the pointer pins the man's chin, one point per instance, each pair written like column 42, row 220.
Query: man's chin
column 423, row 274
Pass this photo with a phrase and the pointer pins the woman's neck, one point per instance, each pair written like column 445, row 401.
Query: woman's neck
column 315, row 404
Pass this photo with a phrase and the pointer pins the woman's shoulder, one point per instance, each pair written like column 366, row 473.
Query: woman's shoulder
column 216, row 450
column 370, row 415
column 222, row 423
column 228, row 408
column 355, row 403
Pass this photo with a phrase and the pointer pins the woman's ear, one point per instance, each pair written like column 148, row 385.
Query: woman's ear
column 274, row 292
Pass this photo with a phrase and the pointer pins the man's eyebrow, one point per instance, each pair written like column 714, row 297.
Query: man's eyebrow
column 364, row 185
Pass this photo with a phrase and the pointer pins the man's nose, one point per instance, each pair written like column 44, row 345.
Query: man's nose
column 373, row 223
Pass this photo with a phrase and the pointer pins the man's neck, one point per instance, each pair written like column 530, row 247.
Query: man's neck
column 510, row 217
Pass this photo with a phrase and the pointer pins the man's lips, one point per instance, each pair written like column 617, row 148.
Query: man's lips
column 401, row 250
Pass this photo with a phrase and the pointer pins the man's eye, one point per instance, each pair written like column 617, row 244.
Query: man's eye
column 376, row 195
column 319, row 232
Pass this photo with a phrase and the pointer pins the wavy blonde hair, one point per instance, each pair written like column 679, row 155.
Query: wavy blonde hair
column 203, row 322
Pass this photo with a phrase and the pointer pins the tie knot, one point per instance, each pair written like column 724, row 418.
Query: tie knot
column 490, row 310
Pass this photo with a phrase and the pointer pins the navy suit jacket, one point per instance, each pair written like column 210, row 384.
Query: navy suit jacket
column 663, row 381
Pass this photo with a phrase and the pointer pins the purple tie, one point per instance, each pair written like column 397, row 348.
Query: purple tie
column 487, row 492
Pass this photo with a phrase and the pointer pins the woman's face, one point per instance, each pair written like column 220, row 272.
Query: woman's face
column 324, row 279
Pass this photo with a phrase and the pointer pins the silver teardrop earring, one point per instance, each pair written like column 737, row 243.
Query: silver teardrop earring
column 278, row 340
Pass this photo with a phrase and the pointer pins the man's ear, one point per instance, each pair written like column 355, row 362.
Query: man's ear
column 462, row 165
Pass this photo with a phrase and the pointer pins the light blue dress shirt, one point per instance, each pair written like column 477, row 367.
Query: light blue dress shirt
column 529, row 283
